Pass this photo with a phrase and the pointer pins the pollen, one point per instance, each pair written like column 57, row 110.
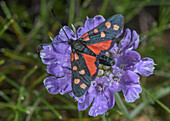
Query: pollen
column 82, row 72
column 115, row 27
column 102, row 34
column 74, row 67
column 76, row 56
column 86, row 38
column 95, row 30
column 108, row 24
column 76, row 81
column 84, row 35
column 83, row 86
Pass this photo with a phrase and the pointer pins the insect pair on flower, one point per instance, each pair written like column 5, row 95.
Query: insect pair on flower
column 78, row 71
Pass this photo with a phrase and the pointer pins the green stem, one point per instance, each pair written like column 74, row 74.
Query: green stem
column 120, row 104
column 13, row 55
column 80, row 115
column 157, row 101
column 10, row 81
column 145, row 98
column 104, row 7
column 120, row 113
column 13, row 107
column 51, row 108
column 5, row 27
column 4, row 96
column 104, row 117
column 159, row 94
column 28, row 118
column 16, row 115
column 58, row 107
column 22, row 89
column 71, row 12
column 37, row 81
column 5, row 9
column 28, row 75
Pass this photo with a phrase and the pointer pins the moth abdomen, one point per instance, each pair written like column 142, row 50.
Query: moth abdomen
column 106, row 60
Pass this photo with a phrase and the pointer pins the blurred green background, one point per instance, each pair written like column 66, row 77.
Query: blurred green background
column 24, row 24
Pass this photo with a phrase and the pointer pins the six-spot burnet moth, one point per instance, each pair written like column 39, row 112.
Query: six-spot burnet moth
column 88, row 51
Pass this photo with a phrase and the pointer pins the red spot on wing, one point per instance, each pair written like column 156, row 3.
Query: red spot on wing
column 76, row 56
column 83, row 86
column 98, row 47
column 86, row 38
column 76, row 81
column 95, row 30
column 90, row 62
column 84, row 35
column 72, row 58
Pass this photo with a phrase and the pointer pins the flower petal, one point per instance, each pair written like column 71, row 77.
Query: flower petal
column 115, row 77
column 128, row 78
column 58, row 85
column 88, row 98
column 123, row 44
column 63, row 59
column 132, row 93
column 99, row 106
column 58, row 70
column 114, row 49
column 110, row 98
column 135, row 41
column 98, row 20
column 89, row 24
column 47, row 54
column 121, row 32
column 62, row 47
column 128, row 60
column 114, row 86
column 80, row 31
column 69, row 32
column 145, row 67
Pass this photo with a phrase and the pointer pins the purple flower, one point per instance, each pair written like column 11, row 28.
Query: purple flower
column 99, row 95
column 120, row 77
column 127, row 63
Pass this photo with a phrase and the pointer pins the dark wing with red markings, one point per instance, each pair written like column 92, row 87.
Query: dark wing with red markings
column 102, row 38
column 98, row 40
column 105, row 31
column 84, row 69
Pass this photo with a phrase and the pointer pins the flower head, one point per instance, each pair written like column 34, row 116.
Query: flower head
column 122, row 76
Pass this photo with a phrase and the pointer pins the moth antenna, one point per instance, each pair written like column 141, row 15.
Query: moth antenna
column 59, row 22
column 41, row 45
